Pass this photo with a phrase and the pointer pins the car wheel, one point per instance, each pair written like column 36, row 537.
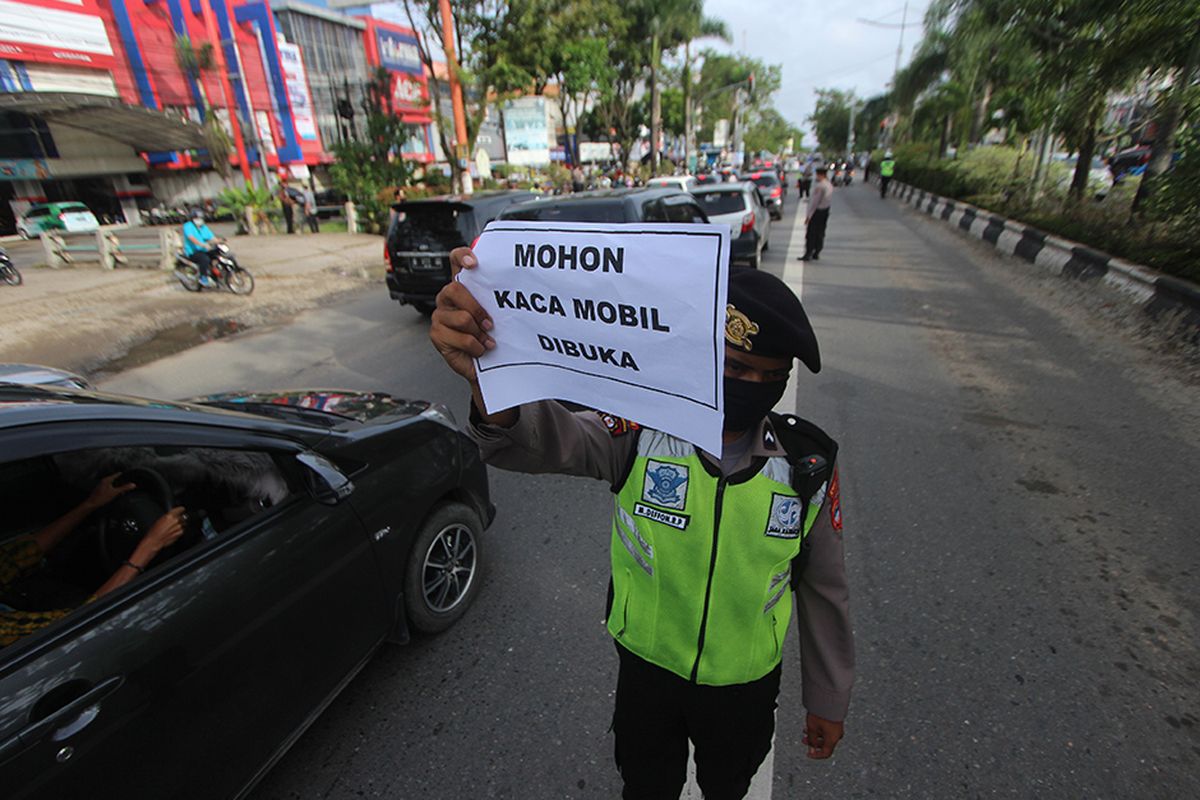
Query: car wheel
column 444, row 569
column 425, row 307
column 766, row 245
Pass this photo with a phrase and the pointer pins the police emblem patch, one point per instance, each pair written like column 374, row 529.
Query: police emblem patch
column 665, row 484
column 784, row 522
column 616, row 426
column 835, row 502
column 739, row 328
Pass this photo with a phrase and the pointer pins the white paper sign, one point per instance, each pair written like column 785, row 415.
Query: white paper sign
column 627, row 319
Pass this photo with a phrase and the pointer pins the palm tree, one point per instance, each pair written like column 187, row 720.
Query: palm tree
column 195, row 62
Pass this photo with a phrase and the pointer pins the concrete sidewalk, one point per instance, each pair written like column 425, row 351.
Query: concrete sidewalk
column 81, row 317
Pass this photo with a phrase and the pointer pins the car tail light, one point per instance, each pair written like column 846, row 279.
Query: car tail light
column 62, row 215
column 748, row 222
column 755, row 176
column 386, row 259
column 778, row 190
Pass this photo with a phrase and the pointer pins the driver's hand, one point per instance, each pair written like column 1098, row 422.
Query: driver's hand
column 106, row 491
column 166, row 530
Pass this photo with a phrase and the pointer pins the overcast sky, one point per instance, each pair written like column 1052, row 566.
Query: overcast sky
column 819, row 44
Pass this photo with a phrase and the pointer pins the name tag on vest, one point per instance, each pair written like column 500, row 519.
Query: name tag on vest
column 679, row 521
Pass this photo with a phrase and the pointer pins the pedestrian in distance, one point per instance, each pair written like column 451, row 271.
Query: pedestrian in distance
column 706, row 549
column 817, row 216
column 310, row 209
column 887, row 168
column 289, row 206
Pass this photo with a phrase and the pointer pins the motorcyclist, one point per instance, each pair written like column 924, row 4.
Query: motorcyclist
column 197, row 243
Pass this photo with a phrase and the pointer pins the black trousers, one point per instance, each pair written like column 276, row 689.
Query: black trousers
column 814, row 234
column 883, row 184
column 289, row 216
column 657, row 712
column 805, row 186
column 313, row 225
column 203, row 260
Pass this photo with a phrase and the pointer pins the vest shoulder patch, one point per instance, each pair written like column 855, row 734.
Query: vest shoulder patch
column 785, row 520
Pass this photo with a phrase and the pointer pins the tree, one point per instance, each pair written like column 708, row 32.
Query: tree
column 831, row 119
column 195, row 62
column 771, row 133
column 370, row 169
column 726, row 79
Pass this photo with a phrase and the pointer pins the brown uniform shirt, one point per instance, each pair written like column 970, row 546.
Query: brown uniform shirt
column 549, row 438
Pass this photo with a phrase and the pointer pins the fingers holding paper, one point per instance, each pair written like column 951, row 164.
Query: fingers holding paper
column 460, row 327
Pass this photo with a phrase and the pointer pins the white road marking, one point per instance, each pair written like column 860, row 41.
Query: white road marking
column 793, row 276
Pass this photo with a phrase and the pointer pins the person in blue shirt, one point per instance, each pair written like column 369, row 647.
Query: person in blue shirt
column 196, row 238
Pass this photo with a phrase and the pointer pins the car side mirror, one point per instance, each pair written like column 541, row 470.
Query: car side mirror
column 328, row 484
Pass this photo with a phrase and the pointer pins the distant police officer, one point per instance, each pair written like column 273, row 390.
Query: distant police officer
column 706, row 549
column 887, row 168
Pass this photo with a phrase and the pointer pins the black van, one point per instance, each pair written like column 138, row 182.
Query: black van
column 423, row 233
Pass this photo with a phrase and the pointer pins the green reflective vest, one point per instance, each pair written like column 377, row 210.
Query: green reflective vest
column 887, row 167
column 701, row 563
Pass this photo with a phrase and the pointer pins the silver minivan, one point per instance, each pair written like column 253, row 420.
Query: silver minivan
column 739, row 206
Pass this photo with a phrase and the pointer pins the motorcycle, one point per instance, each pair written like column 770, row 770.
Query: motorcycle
column 8, row 271
column 228, row 272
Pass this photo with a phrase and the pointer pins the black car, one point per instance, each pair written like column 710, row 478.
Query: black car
column 422, row 234
column 644, row 204
column 320, row 525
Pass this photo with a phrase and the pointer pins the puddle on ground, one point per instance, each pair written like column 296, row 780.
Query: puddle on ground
column 170, row 341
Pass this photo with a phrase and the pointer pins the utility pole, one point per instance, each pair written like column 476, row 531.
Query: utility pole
column 896, row 69
column 456, row 95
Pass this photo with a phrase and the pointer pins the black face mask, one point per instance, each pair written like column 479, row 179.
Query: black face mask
column 747, row 402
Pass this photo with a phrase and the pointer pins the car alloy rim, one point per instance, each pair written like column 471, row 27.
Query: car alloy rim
column 449, row 567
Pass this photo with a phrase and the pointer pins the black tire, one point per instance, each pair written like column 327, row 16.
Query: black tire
column 240, row 281
column 189, row 278
column 425, row 307
column 444, row 569
column 12, row 276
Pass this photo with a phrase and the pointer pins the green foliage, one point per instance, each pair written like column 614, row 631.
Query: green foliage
column 369, row 170
column 234, row 200
column 831, row 119
column 718, row 92
column 770, row 133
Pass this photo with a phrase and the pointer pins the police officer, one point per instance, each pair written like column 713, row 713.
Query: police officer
column 887, row 168
column 706, row 549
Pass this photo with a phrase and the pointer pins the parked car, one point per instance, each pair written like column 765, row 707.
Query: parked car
column 771, row 190
column 422, row 234
column 642, row 204
column 34, row 375
column 68, row 217
column 681, row 182
column 740, row 207
column 320, row 524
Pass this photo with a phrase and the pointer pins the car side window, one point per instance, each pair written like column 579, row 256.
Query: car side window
column 684, row 212
column 72, row 535
column 652, row 211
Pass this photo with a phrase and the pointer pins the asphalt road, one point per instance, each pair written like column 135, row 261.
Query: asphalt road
column 1020, row 502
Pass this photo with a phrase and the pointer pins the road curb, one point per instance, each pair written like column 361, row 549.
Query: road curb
column 1156, row 293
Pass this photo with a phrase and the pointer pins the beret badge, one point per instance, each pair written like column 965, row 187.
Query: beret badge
column 739, row 328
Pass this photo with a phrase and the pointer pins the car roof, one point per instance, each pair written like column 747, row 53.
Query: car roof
column 22, row 405
column 623, row 196
column 712, row 188
column 483, row 201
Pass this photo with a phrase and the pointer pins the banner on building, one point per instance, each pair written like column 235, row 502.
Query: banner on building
column 15, row 169
column 51, row 35
column 527, row 132
column 398, row 51
column 296, row 81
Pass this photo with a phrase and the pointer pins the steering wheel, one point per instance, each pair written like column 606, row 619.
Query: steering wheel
column 125, row 520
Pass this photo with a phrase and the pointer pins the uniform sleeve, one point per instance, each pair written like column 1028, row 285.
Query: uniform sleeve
column 823, row 616
column 549, row 438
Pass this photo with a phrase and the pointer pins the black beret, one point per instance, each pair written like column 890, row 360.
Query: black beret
column 764, row 317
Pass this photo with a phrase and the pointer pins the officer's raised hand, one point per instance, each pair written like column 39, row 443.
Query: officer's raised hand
column 460, row 327
column 461, row 332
